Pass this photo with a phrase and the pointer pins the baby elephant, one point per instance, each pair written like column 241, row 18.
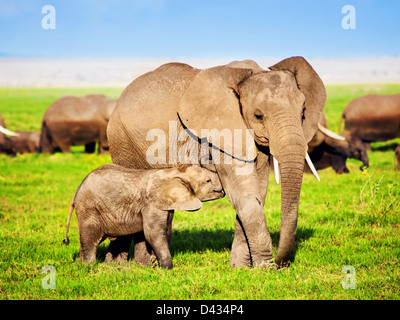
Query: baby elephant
column 114, row 201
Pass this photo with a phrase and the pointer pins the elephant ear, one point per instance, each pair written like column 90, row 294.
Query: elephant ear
column 172, row 193
column 311, row 85
column 211, row 102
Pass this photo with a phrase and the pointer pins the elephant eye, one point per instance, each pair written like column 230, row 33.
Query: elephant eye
column 208, row 180
column 302, row 115
column 258, row 116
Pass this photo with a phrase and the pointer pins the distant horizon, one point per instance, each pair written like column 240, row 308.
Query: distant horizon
column 90, row 72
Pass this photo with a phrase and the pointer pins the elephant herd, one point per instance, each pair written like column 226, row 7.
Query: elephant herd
column 69, row 121
column 269, row 120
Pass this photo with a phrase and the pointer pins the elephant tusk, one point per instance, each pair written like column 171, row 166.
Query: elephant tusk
column 276, row 170
column 310, row 164
column 8, row 132
column 329, row 133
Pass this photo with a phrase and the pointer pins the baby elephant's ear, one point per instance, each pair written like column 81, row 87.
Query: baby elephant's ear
column 173, row 194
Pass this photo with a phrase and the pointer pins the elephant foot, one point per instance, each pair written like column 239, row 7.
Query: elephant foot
column 118, row 249
column 120, row 258
column 240, row 255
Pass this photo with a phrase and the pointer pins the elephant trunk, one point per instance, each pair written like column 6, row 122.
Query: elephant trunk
column 290, row 155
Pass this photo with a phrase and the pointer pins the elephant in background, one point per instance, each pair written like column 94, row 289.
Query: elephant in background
column 280, row 106
column 371, row 118
column 328, row 149
column 71, row 121
column 19, row 141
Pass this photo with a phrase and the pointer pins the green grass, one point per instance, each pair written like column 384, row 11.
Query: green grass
column 351, row 219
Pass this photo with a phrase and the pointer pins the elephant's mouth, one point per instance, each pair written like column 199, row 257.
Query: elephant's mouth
column 220, row 192
column 261, row 139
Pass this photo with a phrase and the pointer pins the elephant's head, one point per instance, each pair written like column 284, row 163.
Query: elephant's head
column 184, row 188
column 339, row 147
column 358, row 150
column 282, row 106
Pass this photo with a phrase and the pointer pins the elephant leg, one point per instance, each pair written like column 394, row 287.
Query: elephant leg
column 65, row 148
column 91, row 236
column 90, row 147
column 118, row 249
column 144, row 253
column 46, row 140
column 103, row 144
column 252, row 243
column 62, row 141
column 155, row 231
column 240, row 254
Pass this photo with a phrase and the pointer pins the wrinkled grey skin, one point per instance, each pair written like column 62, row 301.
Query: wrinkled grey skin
column 71, row 121
column 282, row 105
column 113, row 201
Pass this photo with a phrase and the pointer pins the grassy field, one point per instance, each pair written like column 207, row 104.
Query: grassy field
column 351, row 219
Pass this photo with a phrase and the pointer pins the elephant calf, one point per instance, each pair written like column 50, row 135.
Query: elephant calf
column 113, row 201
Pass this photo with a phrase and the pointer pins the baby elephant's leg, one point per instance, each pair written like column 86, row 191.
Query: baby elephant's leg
column 144, row 253
column 155, row 227
column 90, row 237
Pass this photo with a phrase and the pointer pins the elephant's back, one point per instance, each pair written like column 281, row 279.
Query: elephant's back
column 70, row 108
column 155, row 90
column 373, row 117
column 150, row 102
column 373, row 106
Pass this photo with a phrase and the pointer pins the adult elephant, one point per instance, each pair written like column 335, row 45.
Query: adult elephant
column 371, row 118
column 73, row 121
column 17, row 142
column 282, row 106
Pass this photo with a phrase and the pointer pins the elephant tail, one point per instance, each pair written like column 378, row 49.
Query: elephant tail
column 45, row 145
column 71, row 209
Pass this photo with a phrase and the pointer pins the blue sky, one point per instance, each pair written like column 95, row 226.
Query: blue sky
column 199, row 29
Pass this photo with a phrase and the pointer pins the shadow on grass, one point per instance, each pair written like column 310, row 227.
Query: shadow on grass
column 215, row 240
column 200, row 240
column 385, row 147
column 302, row 235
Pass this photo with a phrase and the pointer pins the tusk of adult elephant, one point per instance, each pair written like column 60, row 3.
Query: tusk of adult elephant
column 276, row 169
column 8, row 132
column 329, row 133
column 310, row 164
